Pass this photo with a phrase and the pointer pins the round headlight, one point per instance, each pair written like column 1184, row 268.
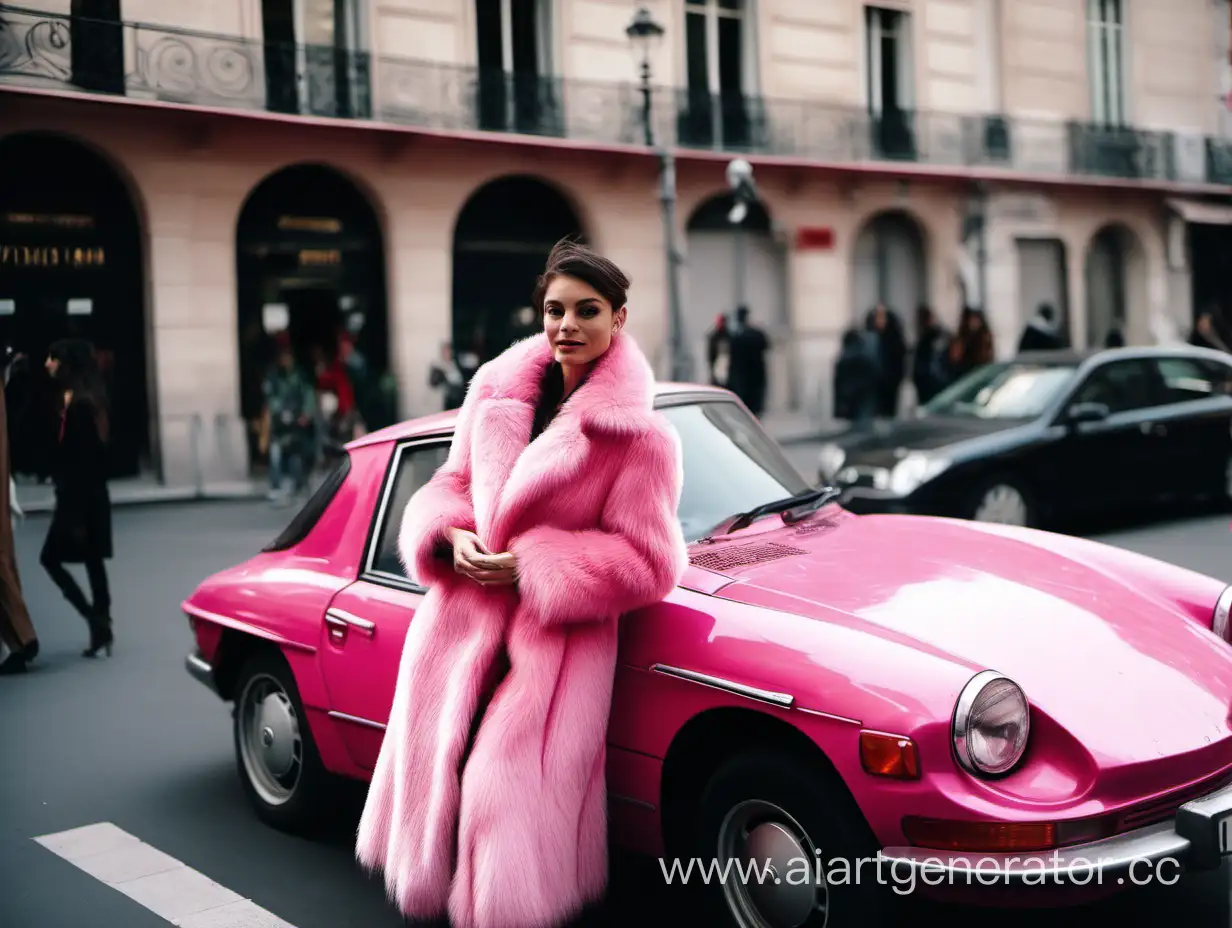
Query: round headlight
column 991, row 723
column 1223, row 606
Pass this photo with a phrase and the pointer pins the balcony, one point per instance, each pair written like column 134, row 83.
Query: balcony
column 143, row 61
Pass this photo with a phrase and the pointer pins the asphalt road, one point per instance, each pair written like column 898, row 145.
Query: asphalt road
column 133, row 741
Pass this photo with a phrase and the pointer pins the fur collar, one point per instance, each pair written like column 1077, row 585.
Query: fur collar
column 509, row 476
column 616, row 397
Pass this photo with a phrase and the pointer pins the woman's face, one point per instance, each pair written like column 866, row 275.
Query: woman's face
column 578, row 322
column 52, row 365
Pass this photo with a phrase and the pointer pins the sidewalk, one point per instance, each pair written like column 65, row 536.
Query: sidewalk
column 35, row 498
column 791, row 428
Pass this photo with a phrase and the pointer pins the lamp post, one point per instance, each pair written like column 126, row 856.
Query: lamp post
column 644, row 33
column 744, row 192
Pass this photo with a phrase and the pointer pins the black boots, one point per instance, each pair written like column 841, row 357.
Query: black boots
column 101, row 638
column 18, row 661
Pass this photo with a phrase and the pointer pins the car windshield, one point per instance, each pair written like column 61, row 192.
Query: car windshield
column 1005, row 390
column 730, row 465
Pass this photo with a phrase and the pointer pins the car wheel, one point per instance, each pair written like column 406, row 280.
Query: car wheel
column 278, row 762
column 771, row 810
column 1004, row 502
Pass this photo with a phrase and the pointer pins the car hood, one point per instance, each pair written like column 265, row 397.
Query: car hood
column 1117, row 661
column 884, row 446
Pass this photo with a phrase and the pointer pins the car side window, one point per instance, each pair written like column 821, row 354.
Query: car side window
column 413, row 466
column 1188, row 379
column 1122, row 386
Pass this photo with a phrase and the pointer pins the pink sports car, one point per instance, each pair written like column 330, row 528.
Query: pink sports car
column 928, row 695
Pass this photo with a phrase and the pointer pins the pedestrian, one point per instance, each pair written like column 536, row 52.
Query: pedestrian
column 890, row 346
column 718, row 351
column 80, row 530
column 929, row 370
column 856, row 377
column 554, row 514
column 747, row 362
column 290, row 417
column 16, row 630
column 972, row 345
column 445, row 375
column 1041, row 333
column 1206, row 333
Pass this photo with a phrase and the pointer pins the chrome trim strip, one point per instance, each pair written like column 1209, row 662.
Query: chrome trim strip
column 387, row 492
column 346, row 618
column 782, row 700
column 828, row 715
column 366, row 723
column 629, row 800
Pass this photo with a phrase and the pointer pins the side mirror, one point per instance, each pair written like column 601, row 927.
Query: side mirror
column 1086, row 412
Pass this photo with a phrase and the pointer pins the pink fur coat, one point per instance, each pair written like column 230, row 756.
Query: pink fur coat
column 518, row 838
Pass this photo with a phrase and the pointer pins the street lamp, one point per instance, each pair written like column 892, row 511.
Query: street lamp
column 744, row 192
column 644, row 33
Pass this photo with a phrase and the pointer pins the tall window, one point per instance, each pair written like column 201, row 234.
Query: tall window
column 515, row 62
column 715, row 54
column 315, row 57
column 1106, row 60
column 890, row 80
column 888, row 50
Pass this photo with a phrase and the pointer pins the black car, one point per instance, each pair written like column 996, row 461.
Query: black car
column 1050, row 436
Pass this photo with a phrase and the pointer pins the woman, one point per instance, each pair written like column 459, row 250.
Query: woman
column 80, row 531
column 886, row 336
column 554, row 514
column 971, row 347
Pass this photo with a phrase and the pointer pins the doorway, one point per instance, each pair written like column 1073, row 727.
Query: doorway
column 311, row 270
column 71, row 265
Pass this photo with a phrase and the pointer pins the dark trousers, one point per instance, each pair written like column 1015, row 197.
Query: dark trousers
column 100, row 592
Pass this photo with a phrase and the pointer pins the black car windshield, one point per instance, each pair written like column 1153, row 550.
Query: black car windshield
column 1003, row 390
column 730, row 465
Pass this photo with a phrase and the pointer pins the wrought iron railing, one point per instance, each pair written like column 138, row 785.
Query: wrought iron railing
column 140, row 60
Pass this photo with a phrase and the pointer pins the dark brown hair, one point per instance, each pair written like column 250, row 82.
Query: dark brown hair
column 573, row 259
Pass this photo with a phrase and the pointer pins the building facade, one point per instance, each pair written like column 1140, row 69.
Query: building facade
column 178, row 179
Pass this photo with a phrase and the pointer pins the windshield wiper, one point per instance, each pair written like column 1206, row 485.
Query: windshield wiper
column 818, row 497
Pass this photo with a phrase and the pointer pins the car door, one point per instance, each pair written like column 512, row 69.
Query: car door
column 1106, row 463
column 1193, row 424
column 367, row 621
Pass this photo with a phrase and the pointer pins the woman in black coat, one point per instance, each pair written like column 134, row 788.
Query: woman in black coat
column 80, row 531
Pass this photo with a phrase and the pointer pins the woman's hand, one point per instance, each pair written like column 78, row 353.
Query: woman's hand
column 471, row 559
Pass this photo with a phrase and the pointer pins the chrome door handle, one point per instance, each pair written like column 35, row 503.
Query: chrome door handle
column 340, row 622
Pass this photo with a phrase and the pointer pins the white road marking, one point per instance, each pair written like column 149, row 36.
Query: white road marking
column 168, row 888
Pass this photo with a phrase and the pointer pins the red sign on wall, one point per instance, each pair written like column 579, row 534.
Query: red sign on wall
column 815, row 238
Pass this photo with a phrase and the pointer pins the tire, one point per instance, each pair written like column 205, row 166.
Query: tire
column 283, row 779
column 1003, row 500
column 797, row 812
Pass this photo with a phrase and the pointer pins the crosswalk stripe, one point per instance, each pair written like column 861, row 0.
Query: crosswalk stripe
column 168, row 888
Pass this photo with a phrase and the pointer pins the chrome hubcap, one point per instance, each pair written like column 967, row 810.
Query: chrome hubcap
column 270, row 743
column 1003, row 504
column 776, row 878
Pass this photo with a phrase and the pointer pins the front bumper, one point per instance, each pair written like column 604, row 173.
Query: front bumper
column 201, row 670
column 1197, row 838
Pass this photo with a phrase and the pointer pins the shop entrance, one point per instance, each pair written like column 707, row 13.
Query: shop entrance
column 311, row 270
column 71, row 266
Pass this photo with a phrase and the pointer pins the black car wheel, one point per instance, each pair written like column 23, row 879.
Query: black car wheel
column 277, row 759
column 792, row 840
